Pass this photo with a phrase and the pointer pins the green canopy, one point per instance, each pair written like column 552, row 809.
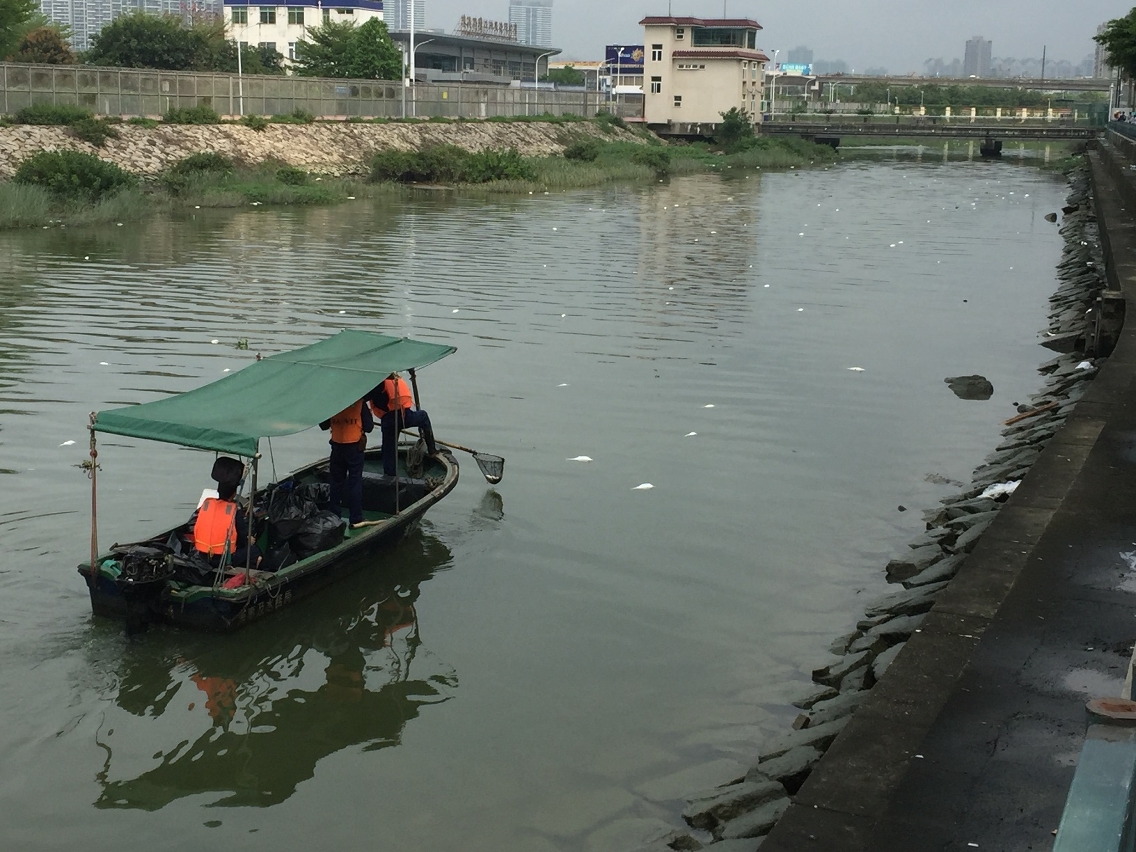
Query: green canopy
column 279, row 395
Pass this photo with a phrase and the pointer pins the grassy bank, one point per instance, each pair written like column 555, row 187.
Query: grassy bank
column 70, row 188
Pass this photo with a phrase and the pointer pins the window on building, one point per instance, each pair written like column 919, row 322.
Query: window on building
column 240, row 15
column 751, row 39
column 296, row 15
column 268, row 14
column 656, row 53
column 269, row 45
column 656, row 85
column 326, row 15
column 678, row 100
column 345, row 11
column 680, row 33
column 717, row 37
column 291, row 50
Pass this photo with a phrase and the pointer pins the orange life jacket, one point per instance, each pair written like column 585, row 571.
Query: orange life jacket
column 216, row 524
column 398, row 395
column 347, row 425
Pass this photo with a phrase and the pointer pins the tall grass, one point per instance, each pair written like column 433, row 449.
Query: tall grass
column 23, row 206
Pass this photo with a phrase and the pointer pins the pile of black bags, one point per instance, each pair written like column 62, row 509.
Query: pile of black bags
column 298, row 520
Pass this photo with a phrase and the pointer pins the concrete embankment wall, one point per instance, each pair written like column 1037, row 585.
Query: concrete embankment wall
column 963, row 739
column 332, row 148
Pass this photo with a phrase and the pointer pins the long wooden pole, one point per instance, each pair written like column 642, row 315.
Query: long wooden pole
column 94, row 500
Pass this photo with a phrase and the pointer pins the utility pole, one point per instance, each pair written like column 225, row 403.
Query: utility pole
column 1043, row 62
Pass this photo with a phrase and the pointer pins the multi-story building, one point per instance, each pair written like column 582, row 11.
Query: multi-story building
column 1101, row 68
column 534, row 21
column 86, row 18
column 397, row 14
column 976, row 62
column 280, row 27
column 695, row 69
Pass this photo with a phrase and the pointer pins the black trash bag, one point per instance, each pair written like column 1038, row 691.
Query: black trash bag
column 287, row 512
column 317, row 492
column 278, row 558
column 322, row 531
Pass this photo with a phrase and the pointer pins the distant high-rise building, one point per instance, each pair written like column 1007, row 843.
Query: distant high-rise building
column 800, row 55
column 86, row 18
column 1101, row 68
column 976, row 63
column 534, row 21
column 396, row 14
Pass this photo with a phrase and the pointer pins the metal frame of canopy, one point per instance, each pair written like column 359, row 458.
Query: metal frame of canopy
column 334, row 370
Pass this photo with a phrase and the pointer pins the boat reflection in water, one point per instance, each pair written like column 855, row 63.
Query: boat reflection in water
column 249, row 718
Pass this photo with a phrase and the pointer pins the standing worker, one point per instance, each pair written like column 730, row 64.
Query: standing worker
column 349, row 430
column 393, row 403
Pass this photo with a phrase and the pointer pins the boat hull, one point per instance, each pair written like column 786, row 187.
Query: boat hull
column 217, row 609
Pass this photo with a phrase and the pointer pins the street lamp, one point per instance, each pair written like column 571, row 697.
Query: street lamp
column 411, row 81
column 773, row 96
column 537, row 67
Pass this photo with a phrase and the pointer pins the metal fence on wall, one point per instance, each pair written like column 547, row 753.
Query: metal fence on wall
column 144, row 92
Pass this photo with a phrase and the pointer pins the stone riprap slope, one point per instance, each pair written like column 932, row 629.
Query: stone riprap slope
column 326, row 147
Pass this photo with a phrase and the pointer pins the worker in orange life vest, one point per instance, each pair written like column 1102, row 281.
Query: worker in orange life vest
column 392, row 402
column 222, row 525
column 349, row 430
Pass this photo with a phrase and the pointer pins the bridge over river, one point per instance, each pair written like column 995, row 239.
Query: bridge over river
column 831, row 132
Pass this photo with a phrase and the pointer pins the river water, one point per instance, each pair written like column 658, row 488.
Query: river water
column 551, row 664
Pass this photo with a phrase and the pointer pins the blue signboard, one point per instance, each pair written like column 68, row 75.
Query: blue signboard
column 625, row 59
column 796, row 69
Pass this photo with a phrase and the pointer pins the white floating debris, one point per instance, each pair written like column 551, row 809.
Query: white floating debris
column 343, row 312
column 799, row 310
column 562, row 385
column 103, row 364
column 351, row 198
column 711, row 405
column 67, row 443
column 1085, row 365
column 581, row 459
column 690, row 434
column 1000, row 489
column 892, row 245
column 225, row 370
column 454, row 311
column 119, row 224
column 214, row 340
column 801, row 234
column 86, row 257
column 646, row 486
column 713, row 232
column 766, row 286
column 856, row 369
column 555, row 229
column 562, row 316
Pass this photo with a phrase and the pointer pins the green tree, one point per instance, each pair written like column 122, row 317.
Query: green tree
column 345, row 50
column 14, row 16
column 139, row 40
column 1119, row 39
column 566, row 76
column 45, row 46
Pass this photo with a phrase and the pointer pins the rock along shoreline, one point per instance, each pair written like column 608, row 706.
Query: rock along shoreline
column 333, row 148
column 737, row 816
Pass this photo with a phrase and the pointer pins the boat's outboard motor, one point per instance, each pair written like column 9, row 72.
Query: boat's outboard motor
column 145, row 571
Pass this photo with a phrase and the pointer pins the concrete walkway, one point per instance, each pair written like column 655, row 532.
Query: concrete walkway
column 971, row 739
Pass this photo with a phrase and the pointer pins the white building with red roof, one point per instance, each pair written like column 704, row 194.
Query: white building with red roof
column 695, row 69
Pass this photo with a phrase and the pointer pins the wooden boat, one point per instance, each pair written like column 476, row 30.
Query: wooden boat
column 161, row 578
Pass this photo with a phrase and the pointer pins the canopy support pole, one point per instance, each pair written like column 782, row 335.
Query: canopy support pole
column 249, row 519
column 93, row 473
column 414, row 385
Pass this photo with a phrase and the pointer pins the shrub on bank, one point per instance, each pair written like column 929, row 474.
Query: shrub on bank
column 450, row 164
column 59, row 114
column 291, row 176
column 296, row 116
column 200, row 114
column 139, row 121
column 584, row 151
column 73, row 174
column 203, row 161
column 257, row 122
column 94, row 130
column 656, row 159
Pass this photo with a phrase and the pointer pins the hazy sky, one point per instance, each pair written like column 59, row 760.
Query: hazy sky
column 896, row 34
